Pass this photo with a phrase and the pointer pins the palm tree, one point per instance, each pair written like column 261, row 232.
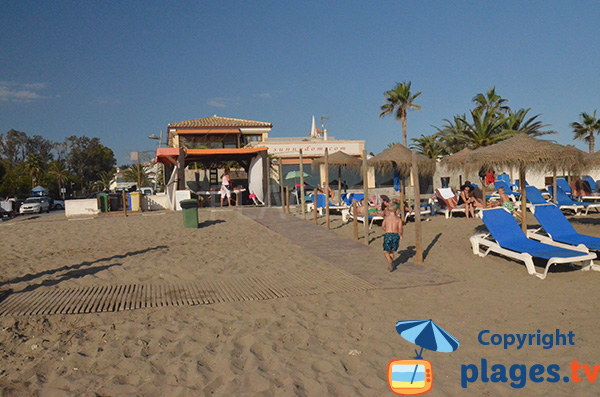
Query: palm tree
column 450, row 134
column 34, row 165
column 398, row 101
column 585, row 130
column 491, row 103
column 516, row 122
column 486, row 129
column 131, row 174
column 59, row 171
column 429, row 146
column 105, row 179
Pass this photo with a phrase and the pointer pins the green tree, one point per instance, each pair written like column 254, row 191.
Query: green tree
column 585, row 130
column 491, row 103
column 485, row 129
column 398, row 101
column 87, row 158
column 517, row 122
column 13, row 147
column 451, row 134
column 35, row 167
column 60, row 173
column 135, row 171
column 429, row 146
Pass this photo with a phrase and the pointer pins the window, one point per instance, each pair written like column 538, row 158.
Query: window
column 252, row 138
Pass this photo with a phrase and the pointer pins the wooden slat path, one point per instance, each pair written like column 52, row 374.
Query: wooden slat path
column 113, row 298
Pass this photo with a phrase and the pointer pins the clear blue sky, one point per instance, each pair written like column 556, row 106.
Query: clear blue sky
column 124, row 70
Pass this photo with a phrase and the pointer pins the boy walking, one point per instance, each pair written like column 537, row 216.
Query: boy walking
column 392, row 225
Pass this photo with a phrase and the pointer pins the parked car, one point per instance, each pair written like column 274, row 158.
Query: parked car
column 59, row 205
column 148, row 191
column 34, row 205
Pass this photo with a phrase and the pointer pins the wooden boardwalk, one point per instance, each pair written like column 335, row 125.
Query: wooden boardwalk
column 366, row 262
column 112, row 298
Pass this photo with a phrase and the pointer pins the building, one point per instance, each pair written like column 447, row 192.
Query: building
column 216, row 133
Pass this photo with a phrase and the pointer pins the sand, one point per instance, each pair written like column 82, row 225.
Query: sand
column 321, row 344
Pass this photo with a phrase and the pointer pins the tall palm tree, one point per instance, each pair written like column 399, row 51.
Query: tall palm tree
column 585, row 131
column 491, row 102
column 398, row 101
column 34, row 165
column 450, row 134
column 59, row 171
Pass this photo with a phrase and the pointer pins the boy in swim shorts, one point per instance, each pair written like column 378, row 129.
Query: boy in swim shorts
column 392, row 225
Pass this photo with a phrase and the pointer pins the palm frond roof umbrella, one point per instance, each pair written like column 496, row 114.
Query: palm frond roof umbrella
column 527, row 153
column 593, row 158
column 399, row 158
column 458, row 160
column 340, row 159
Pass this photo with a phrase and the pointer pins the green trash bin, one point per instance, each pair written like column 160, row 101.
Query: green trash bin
column 189, row 208
column 103, row 202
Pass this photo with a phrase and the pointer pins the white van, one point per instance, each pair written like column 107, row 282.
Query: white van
column 148, row 191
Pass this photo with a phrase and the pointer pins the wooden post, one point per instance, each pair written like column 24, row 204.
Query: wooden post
column 281, row 184
column 287, row 199
column 268, row 176
column 339, row 185
column 326, row 188
column 125, row 203
column 415, row 171
column 402, row 187
column 302, row 186
column 315, row 204
column 523, row 199
column 237, row 199
column 139, row 175
column 554, row 186
column 354, row 220
column 366, row 193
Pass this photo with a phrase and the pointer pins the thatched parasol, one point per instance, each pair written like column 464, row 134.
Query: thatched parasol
column 457, row 161
column 341, row 160
column 525, row 152
column 401, row 159
column 593, row 158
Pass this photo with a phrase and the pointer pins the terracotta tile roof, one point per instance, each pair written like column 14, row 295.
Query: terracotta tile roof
column 216, row 121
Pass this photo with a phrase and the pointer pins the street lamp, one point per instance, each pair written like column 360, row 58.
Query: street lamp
column 159, row 138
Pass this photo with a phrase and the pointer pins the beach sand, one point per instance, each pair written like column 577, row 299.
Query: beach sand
column 320, row 344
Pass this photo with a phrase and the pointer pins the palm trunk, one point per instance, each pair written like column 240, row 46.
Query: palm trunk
column 592, row 142
column 404, row 139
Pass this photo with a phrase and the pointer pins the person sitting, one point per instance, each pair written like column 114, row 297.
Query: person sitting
column 506, row 202
column 467, row 200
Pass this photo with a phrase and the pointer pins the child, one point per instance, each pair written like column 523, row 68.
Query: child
column 392, row 225
column 506, row 203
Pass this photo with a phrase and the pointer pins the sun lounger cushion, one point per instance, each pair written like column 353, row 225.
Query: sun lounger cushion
column 560, row 229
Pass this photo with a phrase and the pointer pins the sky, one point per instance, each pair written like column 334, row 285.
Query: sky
column 123, row 70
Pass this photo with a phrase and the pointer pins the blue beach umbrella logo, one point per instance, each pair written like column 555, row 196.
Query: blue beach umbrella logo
column 412, row 377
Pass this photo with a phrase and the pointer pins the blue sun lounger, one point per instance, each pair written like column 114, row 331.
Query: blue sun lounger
column 578, row 206
column 507, row 238
column 559, row 229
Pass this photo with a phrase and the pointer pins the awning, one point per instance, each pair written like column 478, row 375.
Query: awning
column 169, row 155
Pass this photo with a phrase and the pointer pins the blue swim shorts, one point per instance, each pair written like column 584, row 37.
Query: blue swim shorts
column 391, row 242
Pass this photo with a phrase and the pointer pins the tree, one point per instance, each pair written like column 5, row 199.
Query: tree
column 486, row 129
column 451, row 134
column 429, row 146
column 35, row 167
column 516, row 122
column 135, row 171
column 60, row 173
column 398, row 101
column 87, row 158
column 491, row 103
column 585, row 130
column 13, row 147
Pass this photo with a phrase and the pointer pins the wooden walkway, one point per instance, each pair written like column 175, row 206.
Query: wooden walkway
column 44, row 301
column 366, row 262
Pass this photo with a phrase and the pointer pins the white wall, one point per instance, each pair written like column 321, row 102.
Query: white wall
column 81, row 207
column 155, row 202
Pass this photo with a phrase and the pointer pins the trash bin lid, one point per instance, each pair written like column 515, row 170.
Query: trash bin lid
column 188, row 203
